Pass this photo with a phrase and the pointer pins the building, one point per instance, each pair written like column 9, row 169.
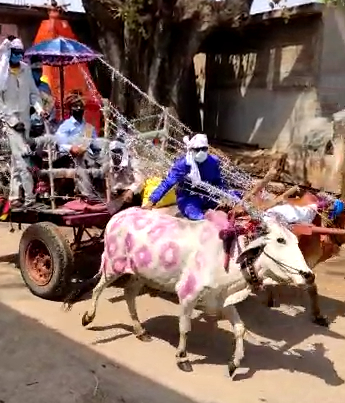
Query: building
column 277, row 82
column 23, row 18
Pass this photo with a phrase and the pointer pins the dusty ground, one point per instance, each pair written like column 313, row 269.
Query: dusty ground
column 46, row 356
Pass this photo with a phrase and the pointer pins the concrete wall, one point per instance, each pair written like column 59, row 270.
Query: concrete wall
column 23, row 26
column 261, row 85
column 28, row 22
column 331, row 87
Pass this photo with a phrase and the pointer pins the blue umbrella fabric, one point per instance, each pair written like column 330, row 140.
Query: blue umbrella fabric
column 62, row 52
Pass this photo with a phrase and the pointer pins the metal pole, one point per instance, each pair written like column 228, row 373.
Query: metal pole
column 62, row 90
column 50, row 168
column 106, row 113
column 166, row 130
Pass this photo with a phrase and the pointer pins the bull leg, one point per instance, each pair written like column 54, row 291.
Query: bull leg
column 131, row 291
column 104, row 282
column 239, row 331
column 269, row 297
column 313, row 294
column 182, row 360
column 317, row 317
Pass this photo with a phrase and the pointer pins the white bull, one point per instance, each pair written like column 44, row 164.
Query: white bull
column 188, row 258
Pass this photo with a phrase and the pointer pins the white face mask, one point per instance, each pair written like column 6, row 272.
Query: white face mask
column 200, row 156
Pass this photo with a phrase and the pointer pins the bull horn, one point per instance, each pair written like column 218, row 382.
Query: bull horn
column 281, row 198
column 260, row 185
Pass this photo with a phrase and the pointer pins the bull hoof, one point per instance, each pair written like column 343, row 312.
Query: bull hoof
column 153, row 293
column 231, row 368
column 146, row 337
column 270, row 303
column 185, row 366
column 86, row 319
column 321, row 320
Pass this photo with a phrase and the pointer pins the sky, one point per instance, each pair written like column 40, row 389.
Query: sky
column 72, row 5
column 263, row 6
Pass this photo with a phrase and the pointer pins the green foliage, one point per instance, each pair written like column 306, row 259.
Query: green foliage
column 132, row 13
column 336, row 3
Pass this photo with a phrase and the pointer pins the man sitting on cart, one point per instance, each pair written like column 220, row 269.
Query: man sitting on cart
column 196, row 166
column 126, row 180
column 73, row 140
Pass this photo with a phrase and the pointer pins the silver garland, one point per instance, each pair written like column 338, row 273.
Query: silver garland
column 155, row 161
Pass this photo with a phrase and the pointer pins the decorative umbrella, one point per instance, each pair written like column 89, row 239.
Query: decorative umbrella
column 76, row 76
column 62, row 52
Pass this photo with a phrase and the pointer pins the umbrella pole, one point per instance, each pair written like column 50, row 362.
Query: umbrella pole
column 62, row 88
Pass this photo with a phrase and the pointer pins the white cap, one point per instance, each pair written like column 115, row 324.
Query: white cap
column 116, row 145
column 198, row 141
column 17, row 44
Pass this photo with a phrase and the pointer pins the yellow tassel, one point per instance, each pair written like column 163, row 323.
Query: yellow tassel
column 3, row 217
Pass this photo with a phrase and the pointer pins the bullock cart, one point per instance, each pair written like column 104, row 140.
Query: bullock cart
column 46, row 255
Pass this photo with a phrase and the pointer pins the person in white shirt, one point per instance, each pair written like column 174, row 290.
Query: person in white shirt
column 18, row 93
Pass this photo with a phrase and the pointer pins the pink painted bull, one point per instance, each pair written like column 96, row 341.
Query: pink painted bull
column 187, row 258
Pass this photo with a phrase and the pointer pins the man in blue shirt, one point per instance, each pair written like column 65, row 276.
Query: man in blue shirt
column 195, row 167
column 73, row 138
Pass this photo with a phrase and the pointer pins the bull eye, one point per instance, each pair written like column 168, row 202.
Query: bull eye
column 281, row 240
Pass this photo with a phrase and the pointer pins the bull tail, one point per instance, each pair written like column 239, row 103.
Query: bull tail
column 79, row 290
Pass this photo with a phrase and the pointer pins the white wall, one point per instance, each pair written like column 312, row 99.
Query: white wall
column 267, row 94
column 331, row 87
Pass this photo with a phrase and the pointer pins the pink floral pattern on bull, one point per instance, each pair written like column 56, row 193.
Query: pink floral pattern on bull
column 142, row 257
column 169, row 255
column 141, row 230
column 158, row 230
column 188, row 287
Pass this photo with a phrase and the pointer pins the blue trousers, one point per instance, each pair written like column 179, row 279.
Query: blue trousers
column 194, row 207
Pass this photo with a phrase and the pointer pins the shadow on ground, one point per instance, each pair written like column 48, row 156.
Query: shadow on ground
column 214, row 345
column 38, row 365
column 12, row 258
column 283, row 329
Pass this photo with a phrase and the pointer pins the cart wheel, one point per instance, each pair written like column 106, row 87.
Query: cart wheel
column 46, row 260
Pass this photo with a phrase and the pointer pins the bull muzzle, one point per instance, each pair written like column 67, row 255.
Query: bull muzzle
column 308, row 276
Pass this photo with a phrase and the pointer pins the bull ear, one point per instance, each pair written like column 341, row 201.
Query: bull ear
column 252, row 251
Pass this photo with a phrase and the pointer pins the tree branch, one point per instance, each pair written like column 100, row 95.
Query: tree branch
column 153, row 42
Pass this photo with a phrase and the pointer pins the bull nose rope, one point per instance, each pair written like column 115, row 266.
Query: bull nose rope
column 286, row 266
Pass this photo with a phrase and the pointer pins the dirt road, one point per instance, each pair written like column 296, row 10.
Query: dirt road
column 47, row 357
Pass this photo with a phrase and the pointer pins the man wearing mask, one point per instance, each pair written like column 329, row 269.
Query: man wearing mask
column 18, row 93
column 195, row 167
column 125, row 178
column 73, row 138
column 43, row 88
